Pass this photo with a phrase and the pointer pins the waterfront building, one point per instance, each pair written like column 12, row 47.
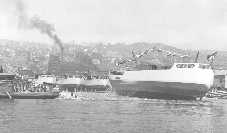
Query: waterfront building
column 54, row 64
column 220, row 78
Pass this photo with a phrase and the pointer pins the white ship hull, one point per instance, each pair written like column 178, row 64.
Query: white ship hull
column 95, row 84
column 69, row 83
column 171, row 83
column 85, row 84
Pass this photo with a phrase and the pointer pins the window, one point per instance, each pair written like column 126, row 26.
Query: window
column 191, row 65
column 185, row 65
column 179, row 65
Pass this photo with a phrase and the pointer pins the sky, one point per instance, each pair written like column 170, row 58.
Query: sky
column 187, row 24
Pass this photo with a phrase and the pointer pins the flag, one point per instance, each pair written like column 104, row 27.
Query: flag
column 184, row 56
column 211, row 57
column 169, row 54
column 121, row 62
column 146, row 51
column 142, row 54
column 159, row 50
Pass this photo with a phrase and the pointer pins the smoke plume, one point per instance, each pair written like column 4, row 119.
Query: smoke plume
column 35, row 22
column 45, row 28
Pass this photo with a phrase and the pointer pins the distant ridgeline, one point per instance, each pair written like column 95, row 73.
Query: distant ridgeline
column 93, row 56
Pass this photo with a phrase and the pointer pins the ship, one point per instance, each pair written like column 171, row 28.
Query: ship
column 180, row 81
column 79, row 83
column 8, row 84
column 96, row 84
column 70, row 82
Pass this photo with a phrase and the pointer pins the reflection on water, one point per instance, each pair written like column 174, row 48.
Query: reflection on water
column 112, row 115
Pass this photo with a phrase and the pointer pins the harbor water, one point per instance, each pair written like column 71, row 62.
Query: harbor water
column 113, row 114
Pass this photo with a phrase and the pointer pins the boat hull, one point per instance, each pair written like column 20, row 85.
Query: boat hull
column 94, row 87
column 95, row 84
column 69, row 83
column 85, row 84
column 156, row 89
column 181, row 81
column 32, row 95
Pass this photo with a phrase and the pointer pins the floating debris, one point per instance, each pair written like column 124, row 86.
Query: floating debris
column 216, row 93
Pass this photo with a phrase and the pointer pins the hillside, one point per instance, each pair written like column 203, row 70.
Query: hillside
column 96, row 56
column 124, row 51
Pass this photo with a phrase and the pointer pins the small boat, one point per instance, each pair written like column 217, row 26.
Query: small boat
column 7, row 85
column 30, row 95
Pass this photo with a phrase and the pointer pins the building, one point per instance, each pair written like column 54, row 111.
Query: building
column 26, row 74
column 220, row 78
column 54, row 64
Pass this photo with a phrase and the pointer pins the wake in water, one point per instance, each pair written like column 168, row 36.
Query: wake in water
column 110, row 96
column 87, row 95
column 97, row 96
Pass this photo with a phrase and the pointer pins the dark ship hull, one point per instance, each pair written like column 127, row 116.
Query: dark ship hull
column 30, row 95
column 160, row 90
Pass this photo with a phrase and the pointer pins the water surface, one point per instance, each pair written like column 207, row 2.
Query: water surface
column 113, row 115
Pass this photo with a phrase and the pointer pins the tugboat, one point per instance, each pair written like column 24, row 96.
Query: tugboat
column 9, row 89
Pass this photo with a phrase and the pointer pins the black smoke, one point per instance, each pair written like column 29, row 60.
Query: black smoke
column 35, row 22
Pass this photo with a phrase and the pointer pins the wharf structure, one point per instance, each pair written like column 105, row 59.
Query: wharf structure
column 220, row 79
